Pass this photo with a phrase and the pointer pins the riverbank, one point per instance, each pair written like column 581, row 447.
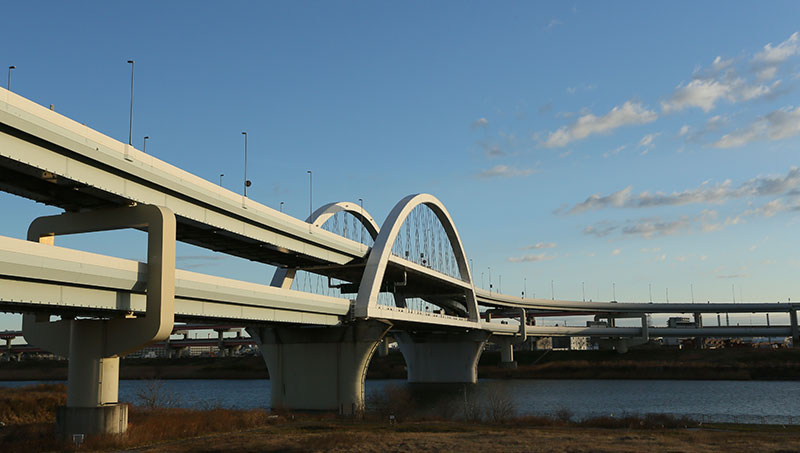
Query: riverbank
column 717, row 364
column 29, row 415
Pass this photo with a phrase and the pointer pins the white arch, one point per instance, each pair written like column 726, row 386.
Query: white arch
column 283, row 277
column 379, row 256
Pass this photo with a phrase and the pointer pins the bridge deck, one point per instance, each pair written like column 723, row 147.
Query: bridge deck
column 38, row 277
column 501, row 300
column 50, row 158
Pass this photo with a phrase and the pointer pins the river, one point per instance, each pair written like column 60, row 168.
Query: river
column 741, row 401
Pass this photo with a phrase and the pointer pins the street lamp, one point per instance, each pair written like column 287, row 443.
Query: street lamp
column 144, row 147
column 220, row 178
column 130, row 127
column 361, row 231
column 247, row 182
column 9, row 76
column 281, row 207
column 310, row 195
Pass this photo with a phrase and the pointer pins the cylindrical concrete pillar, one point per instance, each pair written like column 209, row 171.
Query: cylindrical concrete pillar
column 93, row 380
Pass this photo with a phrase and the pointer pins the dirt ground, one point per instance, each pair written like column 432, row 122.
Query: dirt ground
column 448, row 437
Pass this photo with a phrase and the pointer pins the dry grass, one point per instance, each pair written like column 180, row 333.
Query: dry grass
column 31, row 404
column 183, row 430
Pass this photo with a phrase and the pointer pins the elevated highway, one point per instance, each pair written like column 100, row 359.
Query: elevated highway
column 316, row 347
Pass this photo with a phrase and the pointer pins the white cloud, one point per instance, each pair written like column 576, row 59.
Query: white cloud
column 646, row 143
column 648, row 228
column 778, row 54
column 651, row 250
column 705, row 193
column 614, row 152
column 720, row 82
column 589, row 124
column 480, row 123
column 541, row 245
column 617, row 199
column 776, row 125
column 697, row 93
column 504, row 171
column 647, row 140
column 531, row 258
column 766, row 210
column 553, row 24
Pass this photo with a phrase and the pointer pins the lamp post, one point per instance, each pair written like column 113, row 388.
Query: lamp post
column 130, row 126
column 310, row 194
column 246, row 181
column 144, row 147
column 361, row 231
column 220, row 178
column 9, row 76
column 281, row 207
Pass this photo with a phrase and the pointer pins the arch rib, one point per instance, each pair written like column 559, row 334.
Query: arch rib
column 369, row 288
column 283, row 277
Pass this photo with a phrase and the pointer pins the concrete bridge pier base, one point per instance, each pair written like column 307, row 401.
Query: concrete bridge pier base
column 319, row 368
column 506, row 345
column 434, row 357
column 92, row 384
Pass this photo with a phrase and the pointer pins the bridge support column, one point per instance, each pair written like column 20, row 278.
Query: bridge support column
column 795, row 330
column 383, row 347
column 442, row 357
column 319, row 368
column 94, row 346
column 506, row 345
column 698, row 322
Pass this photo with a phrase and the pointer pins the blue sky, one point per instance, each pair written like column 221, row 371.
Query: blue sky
column 627, row 142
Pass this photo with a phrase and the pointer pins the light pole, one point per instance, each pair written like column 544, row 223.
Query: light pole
column 9, row 76
column 130, row 127
column 310, row 195
column 281, row 206
column 583, row 291
column 246, row 181
column 552, row 290
column 144, row 147
column 490, row 279
column 361, row 231
column 220, row 178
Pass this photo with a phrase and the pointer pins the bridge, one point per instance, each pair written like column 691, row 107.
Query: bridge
column 409, row 276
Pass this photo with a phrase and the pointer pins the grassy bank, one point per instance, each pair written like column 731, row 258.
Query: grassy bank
column 728, row 364
column 28, row 414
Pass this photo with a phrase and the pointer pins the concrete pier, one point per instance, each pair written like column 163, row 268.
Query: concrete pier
column 442, row 357
column 94, row 346
column 319, row 368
